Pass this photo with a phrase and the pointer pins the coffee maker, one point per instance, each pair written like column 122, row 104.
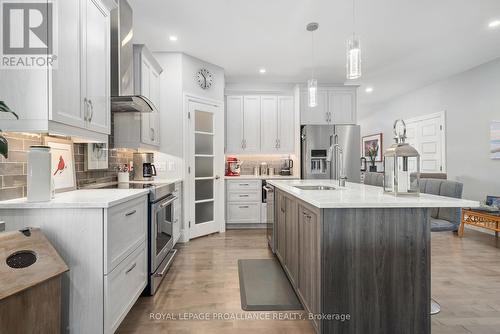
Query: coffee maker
column 286, row 167
column 144, row 169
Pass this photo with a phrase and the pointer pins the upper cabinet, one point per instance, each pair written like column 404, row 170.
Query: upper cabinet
column 96, row 67
column 72, row 97
column 336, row 105
column 141, row 130
column 317, row 115
column 251, row 124
column 260, row 124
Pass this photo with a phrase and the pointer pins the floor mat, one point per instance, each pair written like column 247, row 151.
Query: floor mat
column 265, row 287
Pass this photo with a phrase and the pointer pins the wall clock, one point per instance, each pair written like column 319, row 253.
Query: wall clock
column 204, row 78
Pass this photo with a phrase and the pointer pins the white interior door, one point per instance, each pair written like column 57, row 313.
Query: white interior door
column 427, row 135
column 206, row 155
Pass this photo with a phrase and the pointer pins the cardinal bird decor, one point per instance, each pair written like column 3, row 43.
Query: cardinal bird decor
column 63, row 163
column 60, row 166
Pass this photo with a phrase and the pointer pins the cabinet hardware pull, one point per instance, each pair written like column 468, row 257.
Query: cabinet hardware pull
column 244, row 184
column 131, row 268
column 243, row 206
column 243, row 195
column 86, row 110
column 91, row 110
column 130, row 213
column 282, row 210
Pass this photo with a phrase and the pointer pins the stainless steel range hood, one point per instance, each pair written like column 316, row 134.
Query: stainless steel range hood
column 123, row 97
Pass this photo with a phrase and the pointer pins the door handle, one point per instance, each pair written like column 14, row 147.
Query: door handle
column 217, row 177
column 168, row 202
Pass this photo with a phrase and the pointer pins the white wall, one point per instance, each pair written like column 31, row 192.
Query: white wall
column 471, row 101
column 190, row 68
column 179, row 77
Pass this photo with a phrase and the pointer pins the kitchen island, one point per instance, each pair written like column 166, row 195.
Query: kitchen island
column 358, row 259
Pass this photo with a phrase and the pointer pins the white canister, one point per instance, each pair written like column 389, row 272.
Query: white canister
column 123, row 177
column 39, row 174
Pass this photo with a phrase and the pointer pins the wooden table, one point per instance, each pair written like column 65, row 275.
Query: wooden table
column 483, row 219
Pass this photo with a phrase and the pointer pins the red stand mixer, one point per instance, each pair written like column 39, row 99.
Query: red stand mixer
column 233, row 166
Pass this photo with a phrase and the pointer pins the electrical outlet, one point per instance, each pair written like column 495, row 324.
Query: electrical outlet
column 161, row 166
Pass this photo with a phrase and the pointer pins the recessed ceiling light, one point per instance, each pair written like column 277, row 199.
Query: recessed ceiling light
column 262, row 71
column 369, row 89
column 494, row 24
column 173, row 38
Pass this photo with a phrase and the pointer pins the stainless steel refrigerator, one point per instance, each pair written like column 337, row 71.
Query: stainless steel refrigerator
column 322, row 158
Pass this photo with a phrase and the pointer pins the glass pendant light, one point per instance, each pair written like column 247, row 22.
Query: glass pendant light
column 312, row 88
column 312, row 84
column 353, row 65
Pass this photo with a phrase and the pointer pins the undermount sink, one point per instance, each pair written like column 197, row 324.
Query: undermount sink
column 315, row 187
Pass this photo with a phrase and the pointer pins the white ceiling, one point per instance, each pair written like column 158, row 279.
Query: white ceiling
column 405, row 43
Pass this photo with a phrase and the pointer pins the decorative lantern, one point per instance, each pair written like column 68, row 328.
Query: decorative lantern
column 401, row 165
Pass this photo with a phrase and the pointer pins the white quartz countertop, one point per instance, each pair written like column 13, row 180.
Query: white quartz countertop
column 84, row 198
column 356, row 195
column 262, row 177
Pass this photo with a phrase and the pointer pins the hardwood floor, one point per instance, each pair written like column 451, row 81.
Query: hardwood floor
column 204, row 278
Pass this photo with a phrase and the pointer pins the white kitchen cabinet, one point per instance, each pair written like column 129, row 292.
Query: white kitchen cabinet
column 277, row 124
column 58, row 98
column 269, row 124
column 251, row 124
column 317, row 115
column 147, row 83
column 342, row 106
column 243, row 203
column 336, row 105
column 243, row 124
column 234, row 124
column 122, row 286
column 260, row 124
column 286, row 124
column 141, row 130
column 105, row 249
column 96, row 67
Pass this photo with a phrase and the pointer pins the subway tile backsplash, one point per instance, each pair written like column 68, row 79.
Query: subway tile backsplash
column 14, row 169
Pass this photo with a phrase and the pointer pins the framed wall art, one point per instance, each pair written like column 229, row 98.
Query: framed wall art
column 63, row 163
column 372, row 144
column 96, row 156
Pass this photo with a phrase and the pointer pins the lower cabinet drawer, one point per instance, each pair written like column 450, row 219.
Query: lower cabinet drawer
column 125, row 229
column 246, row 196
column 123, row 286
column 242, row 185
column 243, row 212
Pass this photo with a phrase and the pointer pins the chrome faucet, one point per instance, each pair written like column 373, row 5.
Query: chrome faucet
column 340, row 174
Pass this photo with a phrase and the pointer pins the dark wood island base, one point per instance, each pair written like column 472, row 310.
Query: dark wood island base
column 357, row 270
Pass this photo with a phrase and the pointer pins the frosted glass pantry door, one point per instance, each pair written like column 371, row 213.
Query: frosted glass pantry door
column 206, row 155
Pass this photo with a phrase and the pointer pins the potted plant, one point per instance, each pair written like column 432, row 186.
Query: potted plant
column 372, row 154
column 4, row 144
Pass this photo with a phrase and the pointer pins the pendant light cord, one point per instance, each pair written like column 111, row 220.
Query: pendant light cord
column 312, row 54
column 353, row 17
